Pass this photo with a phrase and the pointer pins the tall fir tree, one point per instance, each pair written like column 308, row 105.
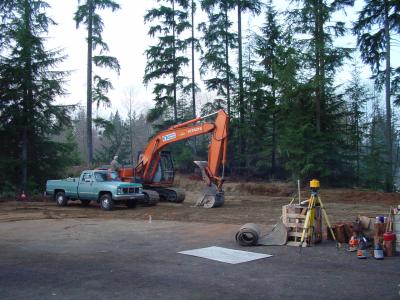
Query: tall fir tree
column 377, row 22
column 253, row 6
column 87, row 14
column 195, row 43
column 29, row 84
column 314, row 18
column 273, row 47
column 321, row 59
column 166, row 59
column 114, row 137
column 374, row 165
column 219, row 40
column 357, row 97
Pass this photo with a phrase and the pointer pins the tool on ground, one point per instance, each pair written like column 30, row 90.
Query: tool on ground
column 250, row 235
column 353, row 243
column 298, row 190
column 314, row 201
column 378, row 252
column 362, row 248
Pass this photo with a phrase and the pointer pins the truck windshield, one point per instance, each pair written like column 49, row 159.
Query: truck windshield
column 106, row 176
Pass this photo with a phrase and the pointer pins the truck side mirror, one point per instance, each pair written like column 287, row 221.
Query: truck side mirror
column 88, row 180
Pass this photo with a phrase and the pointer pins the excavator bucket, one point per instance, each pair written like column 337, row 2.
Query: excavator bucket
column 211, row 197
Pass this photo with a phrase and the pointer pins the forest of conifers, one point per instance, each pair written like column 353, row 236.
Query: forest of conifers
column 290, row 115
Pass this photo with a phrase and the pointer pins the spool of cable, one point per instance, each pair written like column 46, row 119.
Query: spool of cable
column 248, row 234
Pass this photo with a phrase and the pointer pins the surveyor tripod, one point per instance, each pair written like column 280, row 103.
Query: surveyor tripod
column 313, row 202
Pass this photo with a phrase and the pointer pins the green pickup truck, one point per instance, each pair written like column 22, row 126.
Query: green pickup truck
column 101, row 186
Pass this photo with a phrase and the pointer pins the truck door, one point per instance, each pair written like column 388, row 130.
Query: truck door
column 85, row 189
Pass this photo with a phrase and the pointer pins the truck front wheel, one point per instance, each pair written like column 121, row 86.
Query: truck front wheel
column 61, row 199
column 106, row 202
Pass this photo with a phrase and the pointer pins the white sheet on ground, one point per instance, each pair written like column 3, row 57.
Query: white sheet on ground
column 226, row 255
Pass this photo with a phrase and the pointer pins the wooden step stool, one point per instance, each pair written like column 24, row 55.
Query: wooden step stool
column 293, row 217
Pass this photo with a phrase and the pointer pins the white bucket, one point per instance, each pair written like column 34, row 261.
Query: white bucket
column 396, row 224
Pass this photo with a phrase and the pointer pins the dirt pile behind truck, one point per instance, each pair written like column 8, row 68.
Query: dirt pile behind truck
column 246, row 202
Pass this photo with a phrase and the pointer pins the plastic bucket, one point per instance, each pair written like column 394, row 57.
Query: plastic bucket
column 396, row 224
column 389, row 236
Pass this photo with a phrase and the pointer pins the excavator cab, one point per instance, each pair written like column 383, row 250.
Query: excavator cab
column 165, row 172
column 161, row 170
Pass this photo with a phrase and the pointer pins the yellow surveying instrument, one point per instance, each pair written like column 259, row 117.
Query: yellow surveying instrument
column 313, row 202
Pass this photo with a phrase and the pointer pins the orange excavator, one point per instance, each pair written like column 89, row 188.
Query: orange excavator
column 155, row 168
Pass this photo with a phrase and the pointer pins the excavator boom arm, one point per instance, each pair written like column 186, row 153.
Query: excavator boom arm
column 216, row 152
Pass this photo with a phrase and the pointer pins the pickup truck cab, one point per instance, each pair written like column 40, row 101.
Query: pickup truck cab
column 101, row 186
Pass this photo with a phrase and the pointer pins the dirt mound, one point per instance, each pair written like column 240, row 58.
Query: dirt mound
column 357, row 196
column 275, row 189
column 278, row 189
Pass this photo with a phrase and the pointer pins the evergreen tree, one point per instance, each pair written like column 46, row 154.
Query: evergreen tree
column 28, row 87
column 313, row 19
column 274, row 48
column 374, row 164
column 377, row 21
column 115, row 139
column 166, row 59
column 195, row 47
column 219, row 40
column 253, row 6
column 87, row 14
column 258, row 126
column 357, row 96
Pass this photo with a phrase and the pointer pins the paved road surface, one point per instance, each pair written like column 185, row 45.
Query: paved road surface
column 123, row 259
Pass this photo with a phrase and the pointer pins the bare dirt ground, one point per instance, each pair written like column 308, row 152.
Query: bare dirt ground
column 244, row 202
column 77, row 252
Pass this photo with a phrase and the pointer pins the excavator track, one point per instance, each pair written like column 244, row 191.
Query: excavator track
column 171, row 194
column 152, row 197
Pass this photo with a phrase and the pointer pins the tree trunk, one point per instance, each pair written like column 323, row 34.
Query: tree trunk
column 27, row 98
column 317, row 35
column 89, row 85
column 174, row 63
column 241, row 104
column 193, row 79
column 389, row 172
column 274, row 137
column 24, row 156
column 131, row 119
column 358, row 139
column 228, row 90
column 242, row 140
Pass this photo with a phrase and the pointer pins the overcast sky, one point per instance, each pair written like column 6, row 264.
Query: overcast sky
column 126, row 35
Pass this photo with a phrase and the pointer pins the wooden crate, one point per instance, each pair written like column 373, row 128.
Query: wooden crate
column 293, row 216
